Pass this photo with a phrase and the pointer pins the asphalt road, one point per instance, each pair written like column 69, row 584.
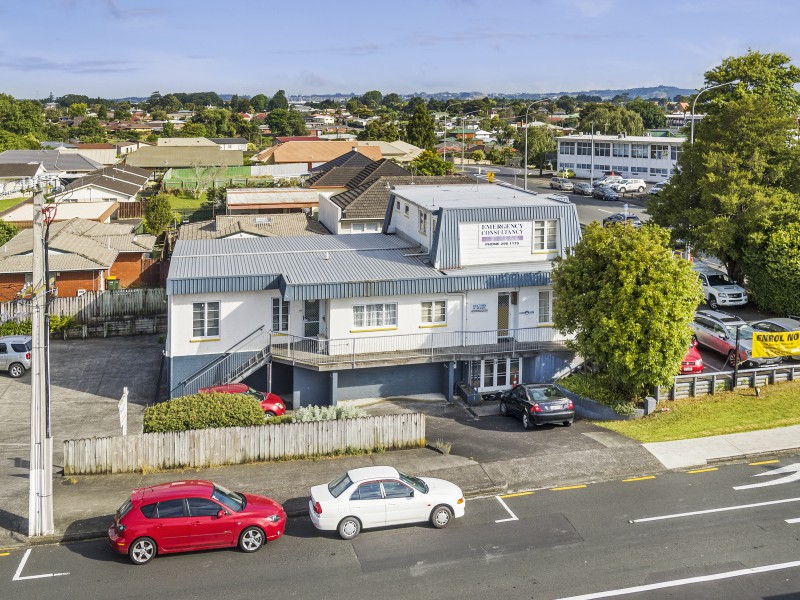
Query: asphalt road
column 678, row 535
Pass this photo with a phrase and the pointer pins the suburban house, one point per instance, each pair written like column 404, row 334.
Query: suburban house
column 84, row 256
column 231, row 143
column 271, row 200
column 362, row 209
column 351, row 170
column 62, row 163
column 21, row 215
column 17, row 178
column 185, row 141
column 105, row 154
column 456, row 289
column 310, row 153
column 399, row 151
column 241, row 226
column 119, row 183
column 640, row 157
column 169, row 157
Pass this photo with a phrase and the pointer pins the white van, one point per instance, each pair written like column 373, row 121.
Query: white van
column 718, row 289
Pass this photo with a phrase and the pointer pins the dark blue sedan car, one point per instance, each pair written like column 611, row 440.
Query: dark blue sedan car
column 603, row 192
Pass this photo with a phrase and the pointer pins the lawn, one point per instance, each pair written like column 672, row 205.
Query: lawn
column 9, row 202
column 725, row 412
column 182, row 203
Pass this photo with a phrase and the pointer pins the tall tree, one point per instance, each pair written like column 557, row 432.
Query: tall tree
column 566, row 103
column 278, row 101
column 541, row 141
column 610, row 119
column 91, row 131
column 372, row 99
column 429, row 163
column 285, row 122
column 420, row 130
column 629, row 302
column 652, row 115
column 78, row 109
column 384, row 128
column 158, row 214
column 259, row 102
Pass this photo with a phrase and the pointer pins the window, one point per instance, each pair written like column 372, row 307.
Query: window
column 566, row 166
column 638, row 150
column 567, row 148
column 205, row 319
column 149, row 510
column 203, row 507
column 620, row 168
column 357, row 227
column 367, row 491
column 373, row 227
column 434, row 311
column 620, row 150
column 545, row 299
column 280, row 315
column 375, row 315
column 659, row 151
column 602, row 167
column 584, row 148
column 169, row 509
column 407, row 211
column 602, row 149
column 423, row 223
column 233, row 500
column 674, row 152
column 659, row 172
column 395, row 489
column 545, row 235
column 337, row 486
column 585, row 166
column 397, row 205
column 639, row 170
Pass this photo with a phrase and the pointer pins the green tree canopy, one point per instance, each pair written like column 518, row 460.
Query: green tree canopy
column 372, row 99
column 7, row 231
column 541, row 140
column 652, row 115
column 78, row 109
column 158, row 215
column 429, row 163
column 629, row 303
column 420, row 128
column 91, row 131
column 567, row 104
column 772, row 264
column 259, row 102
column 384, row 128
column 278, row 101
column 610, row 119
column 285, row 122
column 193, row 130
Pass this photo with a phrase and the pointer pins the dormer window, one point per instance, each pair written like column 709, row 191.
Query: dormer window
column 545, row 235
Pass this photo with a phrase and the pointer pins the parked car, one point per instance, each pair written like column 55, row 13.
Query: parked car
column 537, row 404
column 607, row 180
column 718, row 289
column 716, row 330
column 629, row 185
column 560, row 183
column 622, row 219
column 692, row 362
column 568, row 173
column 192, row 515
column 778, row 325
column 378, row 496
column 582, row 187
column 653, row 191
column 271, row 404
column 604, row 192
column 15, row 354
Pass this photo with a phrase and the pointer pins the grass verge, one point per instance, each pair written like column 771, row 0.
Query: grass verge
column 9, row 202
column 726, row 412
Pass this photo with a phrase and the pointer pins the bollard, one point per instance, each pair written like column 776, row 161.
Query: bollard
column 649, row 405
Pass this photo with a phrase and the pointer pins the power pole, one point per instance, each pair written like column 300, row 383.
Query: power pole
column 40, row 504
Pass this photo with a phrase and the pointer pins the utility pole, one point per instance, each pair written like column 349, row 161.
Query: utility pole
column 40, row 504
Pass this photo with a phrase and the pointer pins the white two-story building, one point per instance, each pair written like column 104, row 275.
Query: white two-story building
column 638, row 157
column 455, row 289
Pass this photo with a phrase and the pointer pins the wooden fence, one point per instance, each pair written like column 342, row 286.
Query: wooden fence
column 237, row 445
column 686, row 386
column 94, row 307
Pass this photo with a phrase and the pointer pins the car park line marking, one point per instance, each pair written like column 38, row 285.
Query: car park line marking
column 687, row 581
column 516, row 494
column 792, row 521
column 714, row 510
column 18, row 575
column 568, row 487
column 638, row 478
column 513, row 516
column 764, row 462
column 708, row 470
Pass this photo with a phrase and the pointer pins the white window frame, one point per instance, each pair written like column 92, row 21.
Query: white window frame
column 281, row 315
column 659, row 151
column 602, row 149
column 378, row 315
column 583, row 148
column 210, row 327
column 433, row 312
column 620, row 150
column 545, row 235
column 357, row 227
column 545, row 315
column 423, row 222
column 567, row 147
column 640, row 151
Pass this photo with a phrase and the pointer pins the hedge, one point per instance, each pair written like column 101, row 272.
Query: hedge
column 203, row 411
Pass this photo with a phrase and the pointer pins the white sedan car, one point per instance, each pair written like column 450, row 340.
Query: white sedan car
column 378, row 496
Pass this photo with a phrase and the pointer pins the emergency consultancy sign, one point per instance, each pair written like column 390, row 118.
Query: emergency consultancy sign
column 777, row 343
column 502, row 235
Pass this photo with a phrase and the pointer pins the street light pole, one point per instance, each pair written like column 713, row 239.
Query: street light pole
column 525, row 174
column 735, row 81
column 464, row 135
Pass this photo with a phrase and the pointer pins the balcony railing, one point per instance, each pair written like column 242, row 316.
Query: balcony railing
column 455, row 345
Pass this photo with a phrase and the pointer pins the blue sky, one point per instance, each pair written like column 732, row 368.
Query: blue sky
column 115, row 48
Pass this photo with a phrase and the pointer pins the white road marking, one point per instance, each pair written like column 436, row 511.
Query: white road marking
column 794, row 469
column 686, row 581
column 714, row 510
column 513, row 516
column 791, row 521
column 18, row 576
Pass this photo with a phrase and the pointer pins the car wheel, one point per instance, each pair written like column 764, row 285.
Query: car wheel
column 349, row 527
column 142, row 551
column 268, row 414
column 732, row 358
column 640, row 190
column 16, row 370
column 441, row 517
column 712, row 303
column 526, row 421
column 503, row 409
column 567, row 423
column 251, row 539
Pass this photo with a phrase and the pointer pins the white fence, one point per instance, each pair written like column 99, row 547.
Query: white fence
column 237, row 445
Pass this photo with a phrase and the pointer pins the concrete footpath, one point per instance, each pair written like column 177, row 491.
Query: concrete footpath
column 84, row 505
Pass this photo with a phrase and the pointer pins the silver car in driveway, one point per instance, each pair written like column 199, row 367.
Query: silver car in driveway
column 15, row 354
column 716, row 330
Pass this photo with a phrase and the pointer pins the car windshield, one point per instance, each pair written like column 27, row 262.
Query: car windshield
column 414, row 482
column 337, row 486
column 745, row 332
column 233, row 500
column 124, row 509
column 718, row 279
column 545, row 394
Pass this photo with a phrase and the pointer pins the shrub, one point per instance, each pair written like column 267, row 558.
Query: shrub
column 306, row 414
column 15, row 328
column 278, row 420
column 203, row 411
column 594, row 387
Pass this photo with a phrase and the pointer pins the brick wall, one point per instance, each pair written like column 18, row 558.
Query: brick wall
column 128, row 269
column 67, row 282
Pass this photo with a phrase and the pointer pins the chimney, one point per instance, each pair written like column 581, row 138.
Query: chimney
column 354, row 148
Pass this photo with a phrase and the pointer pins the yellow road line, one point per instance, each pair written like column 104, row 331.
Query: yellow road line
column 568, row 487
column 4, row 553
column 639, row 478
column 516, row 494
column 765, row 462
column 703, row 470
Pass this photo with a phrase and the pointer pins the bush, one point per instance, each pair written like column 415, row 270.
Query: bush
column 15, row 328
column 203, row 411
column 278, row 420
column 594, row 387
column 306, row 414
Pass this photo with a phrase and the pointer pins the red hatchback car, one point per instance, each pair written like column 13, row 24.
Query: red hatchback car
column 193, row 515
column 271, row 404
column 692, row 362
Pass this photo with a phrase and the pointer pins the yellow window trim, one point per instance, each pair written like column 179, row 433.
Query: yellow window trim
column 201, row 340
column 373, row 329
column 543, row 325
column 431, row 325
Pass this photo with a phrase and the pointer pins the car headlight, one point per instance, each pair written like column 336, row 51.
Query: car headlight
column 274, row 518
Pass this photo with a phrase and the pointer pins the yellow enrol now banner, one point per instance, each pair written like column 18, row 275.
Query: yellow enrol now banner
column 772, row 344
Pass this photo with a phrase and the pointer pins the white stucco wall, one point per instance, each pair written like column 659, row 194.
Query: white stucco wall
column 473, row 252
column 329, row 214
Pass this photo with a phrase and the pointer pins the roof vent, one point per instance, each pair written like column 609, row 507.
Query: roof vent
column 262, row 221
column 327, row 256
